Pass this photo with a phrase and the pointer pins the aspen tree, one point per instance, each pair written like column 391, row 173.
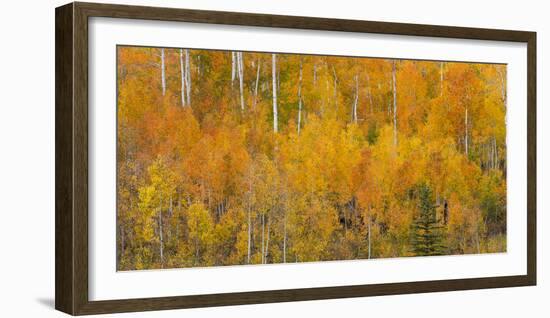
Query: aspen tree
column 183, row 76
column 188, row 76
column 274, row 79
column 163, row 75
column 256, row 86
column 233, row 67
column 241, row 72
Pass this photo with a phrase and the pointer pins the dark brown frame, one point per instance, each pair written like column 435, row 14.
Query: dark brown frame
column 71, row 157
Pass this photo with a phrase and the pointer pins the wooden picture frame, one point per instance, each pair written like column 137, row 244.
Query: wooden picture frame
column 71, row 164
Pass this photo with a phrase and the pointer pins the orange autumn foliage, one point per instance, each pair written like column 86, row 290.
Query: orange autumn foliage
column 210, row 183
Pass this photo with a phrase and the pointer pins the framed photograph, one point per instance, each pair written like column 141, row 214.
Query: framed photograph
column 218, row 158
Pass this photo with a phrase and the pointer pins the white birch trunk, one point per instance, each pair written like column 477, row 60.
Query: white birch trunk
column 267, row 240
column 274, row 78
column 249, row 218
column 504, row 97
column 188, row 76
column 161, row 239
column 249, row 238
column 369, row 95
column 502, row 86
column 233, row 64
column 441, row 79
column 182, row 70
column 496, row 156
column 198, row 66
column 284, row 239
column 263, row 238
column 241, row 71
column 494, row 153
column 163, row 75
column 256, row 86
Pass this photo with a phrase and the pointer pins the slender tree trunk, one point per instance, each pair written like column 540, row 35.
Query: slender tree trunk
column 233, row 69
column 199, row 66
column 183, row 75
column 441, row 77
column 493, row 153
column 369, row 95
column 369, row 236
column 163, row 75
column 197, row 252
column 171, row 207
column 356, row 100
column 492, row 156
column 394, row 89
column 161, row 239
column 496, row 154
column 274, row 78
column 241, row 72
column 267, row 240
column 249, row 237
column 477, row 241
column 263, row 238
column 502, row 86
column 300, row 99
column 256, row 86
column 284, row 239
column 505, row 102
column 249, row 218
column 188, row 76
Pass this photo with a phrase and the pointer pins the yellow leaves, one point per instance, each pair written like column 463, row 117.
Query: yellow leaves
column 154, row 197
column 313, row 222
column 200, row 224
column 229, row 238
column 147, row 208
column 223, row 188
column 241, row 245
column 266, row 184
column 322, row 159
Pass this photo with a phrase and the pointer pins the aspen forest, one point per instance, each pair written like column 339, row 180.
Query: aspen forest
column 235, row 158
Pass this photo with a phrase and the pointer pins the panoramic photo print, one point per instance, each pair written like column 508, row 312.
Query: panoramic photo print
column 236, row 158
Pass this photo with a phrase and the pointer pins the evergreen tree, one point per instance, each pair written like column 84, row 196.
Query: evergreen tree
column 427, row 232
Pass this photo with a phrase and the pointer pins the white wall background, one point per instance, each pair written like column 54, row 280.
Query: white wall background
column 27, row 158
